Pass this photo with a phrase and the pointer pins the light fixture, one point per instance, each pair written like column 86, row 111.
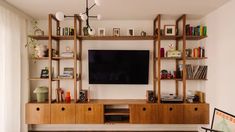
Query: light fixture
column 84, row 16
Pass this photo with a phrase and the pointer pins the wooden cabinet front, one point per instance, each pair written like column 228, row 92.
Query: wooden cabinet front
column 171, row 114
column 62, row 113
column 89, row 113
column 37, row 113
column 196, row 113
column 143, row 113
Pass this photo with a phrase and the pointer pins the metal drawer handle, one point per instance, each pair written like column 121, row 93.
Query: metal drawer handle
column 171, row 109
column 144, row 109
column 195, row 108
column 62, row 108
column 38, row 109
column 89, row 109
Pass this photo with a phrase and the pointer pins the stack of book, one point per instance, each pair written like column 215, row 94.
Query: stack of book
column 196, row 71
column 196, row 31
column 68, row 73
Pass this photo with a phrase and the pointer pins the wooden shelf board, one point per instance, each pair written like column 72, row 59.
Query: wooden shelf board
column 116, row 112
column 176, row 37
column 117, row 37
column 56, row 79
column 71, row 37
column 179, row 79
column 37, row 78
column 35, row 102
column 195, row 37
column 40, row 58
column 118, row 101
column 187, row 58
column 63, row 58
column 72, row 102
column 195, row 58
column 39, row 37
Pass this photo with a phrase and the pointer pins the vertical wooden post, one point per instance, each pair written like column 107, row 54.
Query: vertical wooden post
column 159, row 59
column 177, row 61
column 184, row 58
column 50, row 56
column 80, row 53
column 58, row 50
column 75, row 58
column 154, row 56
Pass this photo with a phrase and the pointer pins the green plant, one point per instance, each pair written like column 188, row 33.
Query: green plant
column 32, row 43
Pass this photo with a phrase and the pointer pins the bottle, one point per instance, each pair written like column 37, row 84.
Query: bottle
column 67, row 97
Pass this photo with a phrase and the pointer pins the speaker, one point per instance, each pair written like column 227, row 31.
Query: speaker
column 150, row 96
column 83, row 96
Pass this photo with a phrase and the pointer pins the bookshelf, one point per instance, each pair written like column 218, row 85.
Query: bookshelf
column 137, row 111
column 158, row 59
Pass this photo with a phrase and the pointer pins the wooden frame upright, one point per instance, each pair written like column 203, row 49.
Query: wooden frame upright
column 77, row 56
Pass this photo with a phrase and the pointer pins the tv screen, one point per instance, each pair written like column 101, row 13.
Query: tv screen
column 118, row 66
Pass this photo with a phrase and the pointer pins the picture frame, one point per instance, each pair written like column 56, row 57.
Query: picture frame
column 169, row 30
column 116, row 31
column 101, row 31
column 44, row 73
column 222, row 121
column 130, row 32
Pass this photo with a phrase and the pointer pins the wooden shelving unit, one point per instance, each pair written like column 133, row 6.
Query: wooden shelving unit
column 77, row 55
column 138, row 111
column 157, row 47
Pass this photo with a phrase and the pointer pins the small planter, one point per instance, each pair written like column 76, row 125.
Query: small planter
column 41, row 93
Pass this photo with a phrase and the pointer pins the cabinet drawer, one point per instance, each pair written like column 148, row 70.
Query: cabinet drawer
column 143, row 113
column 196, row 113
column 89, row 113
column 171, row 113
column 63, row 114
column 37, row 113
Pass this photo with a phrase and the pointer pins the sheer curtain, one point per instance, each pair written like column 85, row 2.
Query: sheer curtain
column 12, row 37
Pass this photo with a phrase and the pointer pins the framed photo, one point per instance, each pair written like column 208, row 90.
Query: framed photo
column 68, row 71
column 116, row 31
column 169, row 30
column 130, row 32
column 223, row 121
column 101, row 32
column 44, row 73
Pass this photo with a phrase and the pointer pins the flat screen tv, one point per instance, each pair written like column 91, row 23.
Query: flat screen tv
column 118, row 66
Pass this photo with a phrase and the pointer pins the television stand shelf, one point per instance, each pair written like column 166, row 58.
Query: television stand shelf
column 100, row 111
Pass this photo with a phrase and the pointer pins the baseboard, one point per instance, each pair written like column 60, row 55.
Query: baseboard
column 116, row 127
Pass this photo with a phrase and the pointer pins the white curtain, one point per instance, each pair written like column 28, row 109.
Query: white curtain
column 12, row 37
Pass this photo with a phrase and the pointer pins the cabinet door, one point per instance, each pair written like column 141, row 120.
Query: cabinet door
column 196, row 113
column 63, row 114
column 89, row 114
column 143, row 113
column 171, row 113
column 37, row 113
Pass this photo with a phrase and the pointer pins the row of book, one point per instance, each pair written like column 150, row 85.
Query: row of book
column 195, row 52
column 66, row 31
column 196, row 31
column 196, row 71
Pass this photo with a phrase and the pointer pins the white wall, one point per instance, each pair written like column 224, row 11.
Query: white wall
column 221, row 46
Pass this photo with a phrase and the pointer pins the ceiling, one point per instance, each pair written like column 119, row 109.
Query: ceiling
column 119, row 9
